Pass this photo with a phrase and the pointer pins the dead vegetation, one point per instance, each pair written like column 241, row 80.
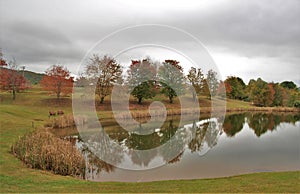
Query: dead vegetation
column 42, row 150
column 65, row 121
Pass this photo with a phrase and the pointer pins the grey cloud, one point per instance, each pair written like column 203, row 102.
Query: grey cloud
column 248, row 27
column 33, row 43
column 38, row 33
column 48, row 32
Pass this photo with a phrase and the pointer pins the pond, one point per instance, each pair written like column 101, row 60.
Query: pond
column 244, row 143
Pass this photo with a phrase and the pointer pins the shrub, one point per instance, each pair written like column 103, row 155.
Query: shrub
column 42, row 150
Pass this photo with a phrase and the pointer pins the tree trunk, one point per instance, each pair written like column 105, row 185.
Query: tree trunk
column 171, row 99
column 101, row 99
column 14, row 93
column 58, row 90
column 194, row 96
column 140, row 100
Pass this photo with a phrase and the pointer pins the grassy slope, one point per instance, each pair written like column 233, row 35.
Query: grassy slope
column 16, row 119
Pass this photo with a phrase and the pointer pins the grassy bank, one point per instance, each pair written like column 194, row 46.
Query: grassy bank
column 30, row 111
column 286, row 182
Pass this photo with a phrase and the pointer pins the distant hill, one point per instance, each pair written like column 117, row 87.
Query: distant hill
column 33, row 77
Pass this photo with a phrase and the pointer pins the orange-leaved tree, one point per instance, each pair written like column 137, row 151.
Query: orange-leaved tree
column 10, row 78
column 57, row 80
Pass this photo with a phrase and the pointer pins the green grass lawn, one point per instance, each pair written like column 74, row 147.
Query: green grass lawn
column 32, row 107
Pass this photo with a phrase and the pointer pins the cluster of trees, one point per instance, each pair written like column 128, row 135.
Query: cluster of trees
column 201, row 85
column 146, row 78
column 57, row 79
column 262, row 93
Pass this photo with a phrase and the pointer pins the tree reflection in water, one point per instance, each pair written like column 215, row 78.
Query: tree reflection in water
column 233, row 124
column 100, row 145
column 194, row 136
column 94, row 165
column 196, row 143
column 260, row 123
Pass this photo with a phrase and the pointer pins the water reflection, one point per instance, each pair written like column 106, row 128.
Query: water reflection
column 233, row 124
column 259, row 122
column 94, row 165
column 197, row 137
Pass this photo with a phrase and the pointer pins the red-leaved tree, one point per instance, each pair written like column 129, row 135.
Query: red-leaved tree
column 57, row 80
column 2, row 75
column 2, row 61
column 10, row 78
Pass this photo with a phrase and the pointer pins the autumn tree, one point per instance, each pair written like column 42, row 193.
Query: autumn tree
column 10, row 78
column 278, row 95
column 141, row 76
column 290, row 93
column 105, row 72
column 270, row 95
column 171, row 79
column 57, row 80
column 2, row 60
column 2, row 65
column 223, row 89
column 236, row 88
column 196, row 79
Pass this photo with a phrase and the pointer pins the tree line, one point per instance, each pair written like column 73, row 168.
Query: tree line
column 146, row 78
column 262, row 93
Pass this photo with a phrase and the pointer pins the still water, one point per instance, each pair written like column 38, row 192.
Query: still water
column 244, row 143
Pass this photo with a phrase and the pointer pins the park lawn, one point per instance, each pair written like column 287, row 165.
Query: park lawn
column 33, row 106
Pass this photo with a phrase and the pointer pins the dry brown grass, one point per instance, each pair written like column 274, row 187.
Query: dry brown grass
column 42, row 150
column 65, row 121
column 146, row 114
column 264, row 109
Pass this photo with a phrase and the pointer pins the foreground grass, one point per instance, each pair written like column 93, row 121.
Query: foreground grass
column 261, row 182
column 29, row 112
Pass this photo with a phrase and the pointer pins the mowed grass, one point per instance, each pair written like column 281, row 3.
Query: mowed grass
column 30, row 111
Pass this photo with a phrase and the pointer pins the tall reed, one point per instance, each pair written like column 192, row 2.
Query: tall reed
column 42, row 150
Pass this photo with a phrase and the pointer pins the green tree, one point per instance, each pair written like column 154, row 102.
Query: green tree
column 288, row 85
column 293, row 96
column 171, row 79
column 141, row 76
column 259, row 92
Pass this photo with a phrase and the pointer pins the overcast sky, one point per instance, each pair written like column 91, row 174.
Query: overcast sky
column 246, row 38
